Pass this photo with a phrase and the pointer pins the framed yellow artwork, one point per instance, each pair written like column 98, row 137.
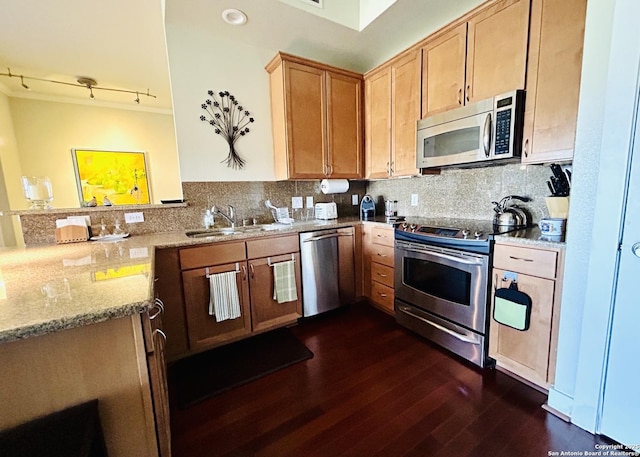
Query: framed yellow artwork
column 111, row 177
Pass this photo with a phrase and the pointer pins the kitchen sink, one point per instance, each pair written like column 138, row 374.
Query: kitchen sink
column 203, row 233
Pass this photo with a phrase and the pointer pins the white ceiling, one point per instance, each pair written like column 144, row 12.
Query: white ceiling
column 121, row 43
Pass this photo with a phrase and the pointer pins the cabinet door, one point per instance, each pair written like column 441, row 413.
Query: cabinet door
column 405, row 113
column 553, row 82
column 203, row 329
column 266, row 312
column 306, row 115
column 497, row 49
column 378, row 124
column 344, row 126
column 525, row 353
column 443, row 65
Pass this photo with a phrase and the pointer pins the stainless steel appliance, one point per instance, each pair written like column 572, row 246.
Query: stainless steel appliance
column 328, row 269
column 442, row 283
column 474, row 134
column 509, row 216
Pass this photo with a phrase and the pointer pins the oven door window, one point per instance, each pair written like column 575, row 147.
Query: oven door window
column 438, row 280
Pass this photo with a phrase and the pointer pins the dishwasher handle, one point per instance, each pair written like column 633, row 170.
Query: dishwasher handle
column 322, row 237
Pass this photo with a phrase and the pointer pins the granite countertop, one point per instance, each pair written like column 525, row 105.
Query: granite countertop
column 532, row 237
column 48, row 288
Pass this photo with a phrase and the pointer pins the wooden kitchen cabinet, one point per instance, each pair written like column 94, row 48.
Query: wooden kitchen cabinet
column 392, row 109
column 529, row 354
column 316, row 113
column 553, row 81
column 378, row 249
column 203, row 329
column 482, row 57
column 266, row 312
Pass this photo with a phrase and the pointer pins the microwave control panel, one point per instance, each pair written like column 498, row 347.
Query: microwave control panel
column 503, row 131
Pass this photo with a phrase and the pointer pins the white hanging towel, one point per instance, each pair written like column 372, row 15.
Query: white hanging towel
column 224, row 302
column 284, row 282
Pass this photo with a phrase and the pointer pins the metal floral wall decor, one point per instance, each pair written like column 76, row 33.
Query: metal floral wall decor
column 230, row 120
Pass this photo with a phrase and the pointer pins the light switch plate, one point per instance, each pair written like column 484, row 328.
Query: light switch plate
column 309, row 202
column 354, row 199
column 133, row 218
column 296, row 202
column 414, row 199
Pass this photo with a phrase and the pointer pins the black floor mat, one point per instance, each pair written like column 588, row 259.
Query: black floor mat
column 210, row 373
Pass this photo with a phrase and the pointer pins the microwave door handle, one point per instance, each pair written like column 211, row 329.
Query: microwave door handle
column 486, row 136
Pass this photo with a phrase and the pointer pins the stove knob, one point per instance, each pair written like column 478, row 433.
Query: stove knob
column 413, row 227
column 477, row 235
column 404, row 226
column 465, row 233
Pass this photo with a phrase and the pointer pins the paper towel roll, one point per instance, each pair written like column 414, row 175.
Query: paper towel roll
column 334, row 186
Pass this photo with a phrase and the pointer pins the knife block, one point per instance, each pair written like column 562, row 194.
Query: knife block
column 71, row 234
column 558, row 207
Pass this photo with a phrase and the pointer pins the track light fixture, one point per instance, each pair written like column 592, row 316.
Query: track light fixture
column 83, row 81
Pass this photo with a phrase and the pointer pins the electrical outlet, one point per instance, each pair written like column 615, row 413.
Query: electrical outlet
column 309, row 202
column 133, row 218
column 354, row 199
column 138, row 253
column 414, row 199
column 296, row 202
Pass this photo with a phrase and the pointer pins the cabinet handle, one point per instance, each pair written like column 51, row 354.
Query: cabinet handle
column 329, row 170
column 520, row 258
column 460, row 96
column 252, row 274
column 381, row 255
column 526, row 147
column 244, row 272
column 468, row 92
column 391, row 168
column 161, row 333
column 382, row 295
column 381, row 275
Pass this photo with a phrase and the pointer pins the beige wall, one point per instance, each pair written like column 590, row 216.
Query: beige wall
column 10, row 189
column 46, row 131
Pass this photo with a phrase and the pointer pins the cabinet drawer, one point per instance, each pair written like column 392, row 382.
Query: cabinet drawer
column 382, row 236
column 529, row 261
column 382, row 254
column 268, row 247
column 382, row 295
column 382, row 274
column 212, row 254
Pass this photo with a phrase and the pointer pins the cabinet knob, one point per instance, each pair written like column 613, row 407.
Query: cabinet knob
column 636, row 249
column 460, row 96
column 468, row 92
column 526, row 147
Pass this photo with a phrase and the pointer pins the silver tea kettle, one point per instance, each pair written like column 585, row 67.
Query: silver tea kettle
column 508, row 215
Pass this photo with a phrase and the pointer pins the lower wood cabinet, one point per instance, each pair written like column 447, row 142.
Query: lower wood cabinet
column 183, row 286
column 266, row 312
column 378, row 253
column 530, row 354
column 203, row 329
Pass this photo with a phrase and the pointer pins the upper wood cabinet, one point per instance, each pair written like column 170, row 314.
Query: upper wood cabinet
column 477, row 59
column 392, row 108
column 553, row 85
column 316, row 112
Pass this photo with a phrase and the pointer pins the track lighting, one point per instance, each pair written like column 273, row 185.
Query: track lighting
column 82, row 81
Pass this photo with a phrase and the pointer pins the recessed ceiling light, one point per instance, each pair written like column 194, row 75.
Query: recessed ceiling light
column 234, row 17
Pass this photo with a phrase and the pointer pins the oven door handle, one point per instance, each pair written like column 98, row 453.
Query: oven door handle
column 454, row 334
column 444, row 256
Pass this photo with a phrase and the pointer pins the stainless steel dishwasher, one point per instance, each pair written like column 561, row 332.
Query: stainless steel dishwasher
column 328, row 273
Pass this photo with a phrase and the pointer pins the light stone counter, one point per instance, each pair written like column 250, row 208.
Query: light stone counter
column 530, row 237
column 44, row 289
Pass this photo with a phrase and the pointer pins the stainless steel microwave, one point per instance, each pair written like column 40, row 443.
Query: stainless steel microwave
column 478, row 133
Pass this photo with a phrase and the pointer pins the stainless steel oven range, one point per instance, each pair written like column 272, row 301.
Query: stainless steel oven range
column 442, row 283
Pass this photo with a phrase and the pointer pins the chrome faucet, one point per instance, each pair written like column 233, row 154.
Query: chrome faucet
column 230, row 218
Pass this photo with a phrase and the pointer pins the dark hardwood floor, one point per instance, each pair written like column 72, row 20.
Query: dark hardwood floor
column 374, row 389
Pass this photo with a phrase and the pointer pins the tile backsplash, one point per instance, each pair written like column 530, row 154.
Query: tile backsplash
column 461, row 193
column 465, row 193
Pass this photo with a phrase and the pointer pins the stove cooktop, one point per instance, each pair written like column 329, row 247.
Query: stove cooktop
column 467, row 234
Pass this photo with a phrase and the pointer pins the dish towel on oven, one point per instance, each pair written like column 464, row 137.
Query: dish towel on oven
column 224, row 302
column 284, row 282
